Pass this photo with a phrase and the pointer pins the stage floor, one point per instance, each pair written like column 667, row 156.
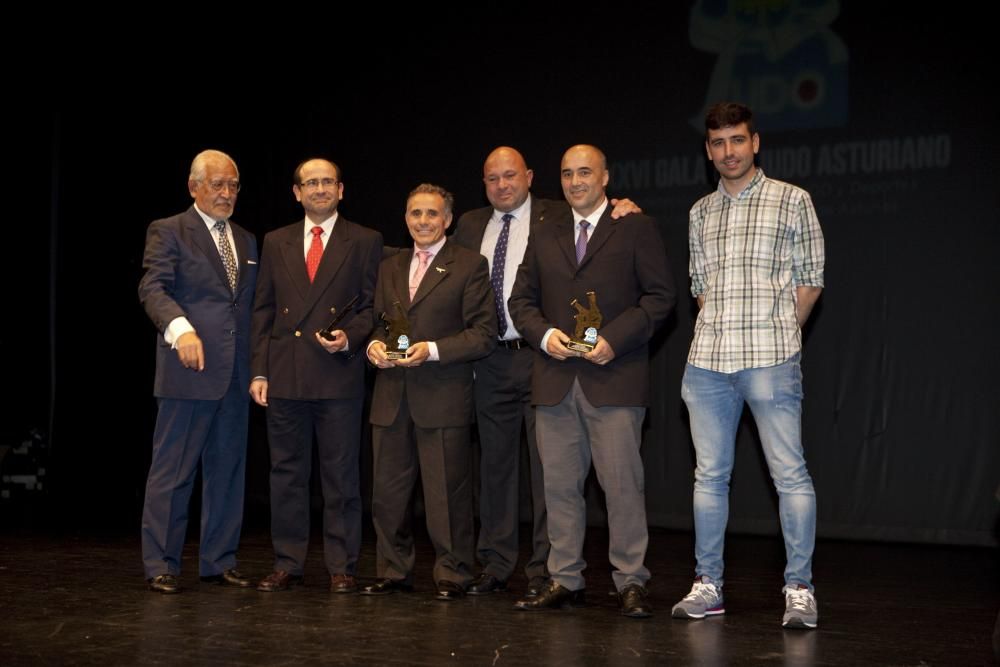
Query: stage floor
column 82, row 600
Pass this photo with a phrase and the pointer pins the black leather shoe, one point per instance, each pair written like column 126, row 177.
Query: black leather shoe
column 230, row 577
column 279, row 580
column 634, row 603
column 449, row 590
column 385, row 587
column 552, row 597
column 536, row 585
column 164, row 583
column 486, row 584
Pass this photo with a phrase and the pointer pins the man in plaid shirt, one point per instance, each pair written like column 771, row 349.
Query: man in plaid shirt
column 756, row 270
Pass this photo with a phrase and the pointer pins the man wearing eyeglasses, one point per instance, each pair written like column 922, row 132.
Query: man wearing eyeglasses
column 312, row 381
column 198, row 286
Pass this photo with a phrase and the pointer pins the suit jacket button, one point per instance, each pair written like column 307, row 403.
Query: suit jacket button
column 298, row 334
column 333, row 309
column 284, row 311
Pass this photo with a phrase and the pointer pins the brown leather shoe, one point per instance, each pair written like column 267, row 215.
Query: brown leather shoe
column 343, row 583
column 164, row 583
column 279, row 580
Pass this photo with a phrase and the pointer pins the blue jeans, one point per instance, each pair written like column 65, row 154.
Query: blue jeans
column 715, row 403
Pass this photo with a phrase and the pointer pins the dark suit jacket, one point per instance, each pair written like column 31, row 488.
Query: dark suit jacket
column 289, row 310
column 185, row 276
column 454, row 308
column 472, row 225
column 627, row 267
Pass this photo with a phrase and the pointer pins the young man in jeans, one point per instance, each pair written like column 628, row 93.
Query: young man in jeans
column 756, row 270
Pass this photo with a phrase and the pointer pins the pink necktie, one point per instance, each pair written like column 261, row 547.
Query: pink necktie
column 315, row 253
column 425, row 258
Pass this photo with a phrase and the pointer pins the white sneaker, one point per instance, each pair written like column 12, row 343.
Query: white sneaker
column 800, row 608
column 705, row 599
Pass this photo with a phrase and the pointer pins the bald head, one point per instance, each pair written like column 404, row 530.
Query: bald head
column 507, row 179
column 584, row 175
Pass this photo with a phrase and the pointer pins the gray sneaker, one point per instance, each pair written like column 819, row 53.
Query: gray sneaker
column 705, row 599
column 800, row 608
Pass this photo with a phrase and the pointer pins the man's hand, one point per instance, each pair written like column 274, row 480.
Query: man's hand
column 556, row 346
column 258, row 392
column 191, row 352
column 417, row 354
column 376, row 355
column 602, row 352
column 623, row 207
column 338, row 343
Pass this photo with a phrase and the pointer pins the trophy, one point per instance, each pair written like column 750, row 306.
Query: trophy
column 398, row 334
column 588, row 321
column 327, row 333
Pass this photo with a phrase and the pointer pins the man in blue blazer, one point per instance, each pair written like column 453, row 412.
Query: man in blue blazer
column 198, row 287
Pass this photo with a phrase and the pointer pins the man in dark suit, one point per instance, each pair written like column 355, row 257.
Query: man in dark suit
column 590, row 404
column 503, row 378
column 312, row 386
column 422, row 406
column 198, row 289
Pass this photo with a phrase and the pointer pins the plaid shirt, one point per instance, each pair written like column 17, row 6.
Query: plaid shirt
column 748, row 255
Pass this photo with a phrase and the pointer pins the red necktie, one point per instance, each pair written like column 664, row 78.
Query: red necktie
column 315, row 252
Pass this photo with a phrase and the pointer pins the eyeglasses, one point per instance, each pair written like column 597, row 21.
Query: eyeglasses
column 314, row 183
column 218, row 186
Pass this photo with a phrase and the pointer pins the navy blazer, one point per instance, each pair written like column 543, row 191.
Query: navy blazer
column 184, row 276
column 289, row 310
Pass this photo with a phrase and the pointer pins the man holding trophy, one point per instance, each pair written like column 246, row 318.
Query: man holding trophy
column 590, row 388
column 437, row 304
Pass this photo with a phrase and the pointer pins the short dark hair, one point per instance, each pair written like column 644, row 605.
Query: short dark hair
column 431, row 189
column 728, row 114
column 297, row 174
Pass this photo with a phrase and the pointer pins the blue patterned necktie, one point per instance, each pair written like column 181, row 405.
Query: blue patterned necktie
column 496, row 275
column 581, row 242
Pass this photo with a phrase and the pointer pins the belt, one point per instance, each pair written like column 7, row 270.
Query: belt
column 514, row 344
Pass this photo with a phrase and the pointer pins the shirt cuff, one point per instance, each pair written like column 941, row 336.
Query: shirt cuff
column 545, row 341
column 177, row 328
column 432, row 349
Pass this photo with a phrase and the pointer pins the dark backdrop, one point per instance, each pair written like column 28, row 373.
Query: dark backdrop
column 883, row 117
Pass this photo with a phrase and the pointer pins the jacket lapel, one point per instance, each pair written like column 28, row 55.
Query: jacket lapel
column 206, row 243
column 401, row 278
column 294, row 260
column 564, row 233
column 436, row 272
column 242, row 255
column 605, row 229
column 337, row 250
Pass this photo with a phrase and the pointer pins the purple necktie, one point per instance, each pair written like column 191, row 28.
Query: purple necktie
column 581, row 242
column 496, row 275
